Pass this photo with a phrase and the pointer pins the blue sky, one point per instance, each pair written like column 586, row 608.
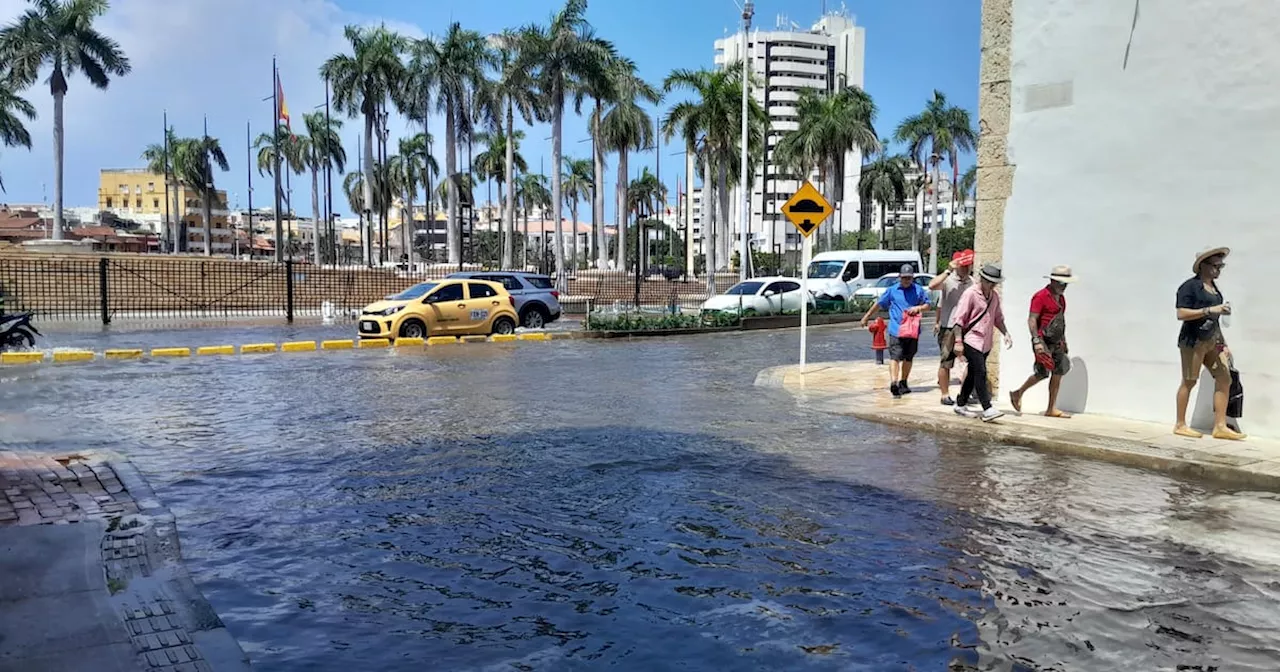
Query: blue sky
column 213, row 57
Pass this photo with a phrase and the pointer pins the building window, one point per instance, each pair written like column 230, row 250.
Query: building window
column 109, row 202
column 137, row 188
column 124, row 188
column 151, row 186
column 155, row 202
column 137, row 203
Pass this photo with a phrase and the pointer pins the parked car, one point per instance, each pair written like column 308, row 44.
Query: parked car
column 759, row 296
column 441, row 308
column 874, row 292
column 839, row 273
column 537, row 301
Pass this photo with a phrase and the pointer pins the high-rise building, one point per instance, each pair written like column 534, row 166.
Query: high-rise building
column 787, row 60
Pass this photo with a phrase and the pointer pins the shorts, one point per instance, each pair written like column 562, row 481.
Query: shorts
column 947, row 346
column 903, row 349
column 1061, row 364
column 1205, row 354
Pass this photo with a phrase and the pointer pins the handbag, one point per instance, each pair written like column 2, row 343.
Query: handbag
column 910, row 326
column 1235, row 397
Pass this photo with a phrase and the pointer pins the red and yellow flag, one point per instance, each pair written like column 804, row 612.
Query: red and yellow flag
column 282, row 114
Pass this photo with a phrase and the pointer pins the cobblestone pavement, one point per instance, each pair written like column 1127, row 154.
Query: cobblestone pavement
column 135, row 554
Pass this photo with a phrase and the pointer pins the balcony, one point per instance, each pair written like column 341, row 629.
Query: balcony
column 798, row 82
column 818, row 52
column 779, row 67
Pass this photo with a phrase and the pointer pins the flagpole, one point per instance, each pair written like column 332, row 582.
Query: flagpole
column 275, row 150
column 248, row 161
column 171, row 238
column 328, row 178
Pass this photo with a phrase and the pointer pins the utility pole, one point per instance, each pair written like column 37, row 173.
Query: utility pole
column 329, row 226
column 248, row 162
column 744, row 217
column 170, row 231
column 275, row 150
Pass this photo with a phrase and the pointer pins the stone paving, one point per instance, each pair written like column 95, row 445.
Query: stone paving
column 859, row 389
column 124, row 602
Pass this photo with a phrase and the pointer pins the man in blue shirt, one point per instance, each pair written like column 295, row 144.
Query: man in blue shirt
column 905, row 298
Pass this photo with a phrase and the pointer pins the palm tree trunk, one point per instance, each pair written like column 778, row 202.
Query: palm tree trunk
column 933, row 223
column 883, row 208
column 407, row 224
column 620, row 258
column 597, row 194
column 573, row 242
column 524, row 243
column 208, row 222
column 315, row 210
column 509, row 170
column 367, row 189
column 557, row 190
column 709, row 224
column 179, row 235
column 725, row 251
column 453, row 231
column 58, row 153
column 829, row 234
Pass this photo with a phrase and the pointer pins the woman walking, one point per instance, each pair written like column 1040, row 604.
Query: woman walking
column 977, row 317
column 1200, row 342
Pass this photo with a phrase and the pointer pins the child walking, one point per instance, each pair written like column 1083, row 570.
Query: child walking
column 878, row 341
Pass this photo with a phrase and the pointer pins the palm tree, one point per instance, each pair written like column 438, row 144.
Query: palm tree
column 293, row 153
column 645, row 193
column 194, row 162
column 362, row 83
column 966, row 188
column 941, row 130
column 500, row 160
column 532, row 192
column 829, row 126
column 626, row 127
column 598, row 88
column 322, row 147
column 884, row 181
column 60, row 34
column 456, row 65
column 159, row 157
column 413, row 168
column 13, row 109
column 513, row 90
column 578, row 181
column 562, row 55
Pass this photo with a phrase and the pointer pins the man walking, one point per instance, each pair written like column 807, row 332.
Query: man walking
column 905, row 301
column 978, row 317
column 952, row 282
column 1048, row 325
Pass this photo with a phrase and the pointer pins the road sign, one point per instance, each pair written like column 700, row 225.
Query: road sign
column 807, row 209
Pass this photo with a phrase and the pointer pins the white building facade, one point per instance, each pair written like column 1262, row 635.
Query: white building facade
column 1123, row 146
column 788, row 60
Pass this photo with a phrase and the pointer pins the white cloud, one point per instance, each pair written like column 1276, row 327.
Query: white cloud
column 192, row 58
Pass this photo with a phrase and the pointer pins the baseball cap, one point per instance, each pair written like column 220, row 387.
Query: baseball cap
column 963, row 258
column 907, row 270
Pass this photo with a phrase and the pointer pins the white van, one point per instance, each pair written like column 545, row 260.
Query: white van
column 840, row 273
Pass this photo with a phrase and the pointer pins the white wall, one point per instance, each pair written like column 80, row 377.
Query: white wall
column 1126, row 172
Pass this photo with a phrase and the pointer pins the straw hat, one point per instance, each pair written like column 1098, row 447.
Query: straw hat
column 992, row 273
column 1062, row 273
column 1211, row 252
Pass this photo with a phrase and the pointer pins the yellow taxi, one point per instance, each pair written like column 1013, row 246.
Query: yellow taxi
column 441, row 308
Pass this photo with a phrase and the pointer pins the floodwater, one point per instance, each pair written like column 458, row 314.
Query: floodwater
column 581, row 505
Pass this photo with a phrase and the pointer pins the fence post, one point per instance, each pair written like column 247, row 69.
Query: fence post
column 102, row 290
column 288, row 290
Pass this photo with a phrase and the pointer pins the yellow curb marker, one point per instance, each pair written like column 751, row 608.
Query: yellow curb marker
column 337, row 345
column 299, row 346
column 257, row 348
column 216, row 350
column 122, row 354
column 535, row 336
column 374, row 343
column 474, row 339
column 502, row 338
column 442, row 340
column 21, row 357
column 72, row 356
column 406, row 342
column 559, row 335
column 171, row 352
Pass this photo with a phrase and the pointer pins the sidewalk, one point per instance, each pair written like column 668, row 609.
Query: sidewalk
column 91, row 577
column 859, row 389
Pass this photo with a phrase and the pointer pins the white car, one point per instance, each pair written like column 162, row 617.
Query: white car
column 839, row 273
column 874, row 292
column 759, row 296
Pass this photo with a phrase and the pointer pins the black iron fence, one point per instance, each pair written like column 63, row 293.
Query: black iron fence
column 124, row 287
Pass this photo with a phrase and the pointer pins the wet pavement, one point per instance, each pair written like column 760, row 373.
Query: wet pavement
column 640, row 505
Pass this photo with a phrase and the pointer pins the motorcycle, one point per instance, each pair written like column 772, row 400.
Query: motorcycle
column 16, row 331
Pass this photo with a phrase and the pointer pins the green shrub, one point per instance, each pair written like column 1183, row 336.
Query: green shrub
column 653, row 322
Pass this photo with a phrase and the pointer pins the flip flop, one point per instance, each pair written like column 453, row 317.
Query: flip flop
column 1057, row 414
column 1016, row 400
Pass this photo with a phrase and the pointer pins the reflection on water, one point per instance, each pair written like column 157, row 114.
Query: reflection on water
column 580, row 505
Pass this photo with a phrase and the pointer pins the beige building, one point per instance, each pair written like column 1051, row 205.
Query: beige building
column 139, row 195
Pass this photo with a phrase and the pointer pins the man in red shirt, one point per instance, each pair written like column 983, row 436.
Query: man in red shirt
column 1048, row 326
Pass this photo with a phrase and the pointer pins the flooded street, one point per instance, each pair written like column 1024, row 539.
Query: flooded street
column 642, row 506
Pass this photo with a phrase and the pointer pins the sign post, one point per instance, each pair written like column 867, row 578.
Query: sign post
column 807, row 210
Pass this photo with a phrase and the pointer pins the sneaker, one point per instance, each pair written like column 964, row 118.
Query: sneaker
column 894, row 390
column 903, row 389
column 948, row 401
column 992, row 414
column 965, row 412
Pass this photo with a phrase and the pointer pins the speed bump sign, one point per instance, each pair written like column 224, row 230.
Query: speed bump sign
column 807, row 209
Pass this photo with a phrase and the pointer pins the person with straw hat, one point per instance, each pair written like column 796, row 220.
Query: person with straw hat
column 978, row 317
column 1200, row 306
column 1048, row 325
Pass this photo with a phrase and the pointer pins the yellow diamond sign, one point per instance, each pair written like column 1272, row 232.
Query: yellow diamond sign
column 807, row 209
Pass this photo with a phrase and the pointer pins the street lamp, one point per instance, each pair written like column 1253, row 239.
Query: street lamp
column 744, row 217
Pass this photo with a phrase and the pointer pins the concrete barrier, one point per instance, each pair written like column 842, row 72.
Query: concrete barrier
column 474, row 339
column 337, row 345
column 122, row 354
column 298, row 346
column 370, row 343
column 502, row 338
column 442, row 340
column 72, row 356
column 171, row 352
column 534, row 336
column 216, row 350
column 258, row 348
column 405, row 342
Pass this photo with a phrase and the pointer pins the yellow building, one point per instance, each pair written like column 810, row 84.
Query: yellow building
column 139, row 195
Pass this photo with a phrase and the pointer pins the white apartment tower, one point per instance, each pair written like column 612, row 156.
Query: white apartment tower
column 788, row 60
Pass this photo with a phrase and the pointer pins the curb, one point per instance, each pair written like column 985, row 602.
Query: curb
column 78, row 356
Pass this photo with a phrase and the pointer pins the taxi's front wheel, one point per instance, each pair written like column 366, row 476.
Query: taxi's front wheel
column 504, row 325
column 413, row 329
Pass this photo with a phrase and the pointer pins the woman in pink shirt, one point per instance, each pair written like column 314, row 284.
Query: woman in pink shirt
column 977, row 318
